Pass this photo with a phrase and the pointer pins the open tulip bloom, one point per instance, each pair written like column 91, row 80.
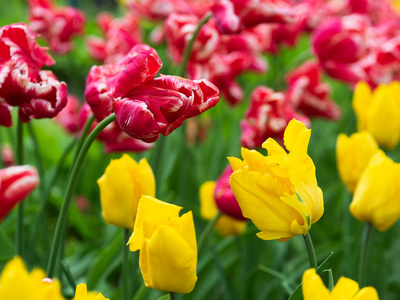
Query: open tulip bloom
column 279, row 192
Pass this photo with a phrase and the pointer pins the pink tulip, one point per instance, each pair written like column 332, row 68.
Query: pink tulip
column 36, row 92
column 308, row 94
column 16, row 183
column 268, row 114
column 56, row 24
column 224, row 197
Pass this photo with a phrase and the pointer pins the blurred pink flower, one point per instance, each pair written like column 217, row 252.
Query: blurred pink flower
column 308, row 94
column 68, row 117
column 16, row 183
column 36, row 92
column 224, row 197
column 232, row 16
column 7, row 155
column 267, row 116
column 119, row 36
column 56, row 24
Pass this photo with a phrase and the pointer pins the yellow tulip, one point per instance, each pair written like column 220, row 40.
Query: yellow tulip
column 16, row 283
column 279, row 192
column 352, row 155
column 167, row 244
column 121, row 187
column 225, row 224
column 378, row 112
column 81, row 293
column 345, row 289
column 376, row 196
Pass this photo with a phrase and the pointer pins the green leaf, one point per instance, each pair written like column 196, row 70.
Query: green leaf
column 7, row 249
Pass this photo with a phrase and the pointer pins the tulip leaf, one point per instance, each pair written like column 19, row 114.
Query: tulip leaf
column 164, row 297
column 325, row 263
column 297, row 293
column 285, row 281
column 7, row 249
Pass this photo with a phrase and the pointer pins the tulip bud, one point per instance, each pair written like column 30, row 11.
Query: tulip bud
column 353, row 155
column 121, row 187
column 279, row 192
column 378, row 112
column 16, row 183
column 167, row 244
column 225, row 225
column 376, row 195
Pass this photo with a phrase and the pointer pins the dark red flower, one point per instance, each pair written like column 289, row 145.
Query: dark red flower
column 224, row 197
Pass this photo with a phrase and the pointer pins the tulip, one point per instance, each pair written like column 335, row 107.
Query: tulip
column 378, row 112
column 121, row 187
column 314, row 288
column 7, row 155
column 353, row 155
column 279, row 192
column 36, row 92
column 167, row 244
column 81, row 293
column 268, row 114
column 16, row 183
column 375, row 197
column 17, row 283
column 57, row 25
column 225, row 225
column 224, row 197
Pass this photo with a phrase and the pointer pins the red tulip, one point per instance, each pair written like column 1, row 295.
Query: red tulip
column 16, row 183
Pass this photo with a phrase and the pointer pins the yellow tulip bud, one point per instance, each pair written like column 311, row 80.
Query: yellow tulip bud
column 81, row 293
column 225, row 224
column 279, row 192
column 17, row 283
column 167, row 244
column 121, row 187
column 378, row 112
column 376, row 195
column 352, row 155
column 314, row 289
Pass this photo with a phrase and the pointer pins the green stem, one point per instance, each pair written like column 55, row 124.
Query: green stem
column 125, row 266
column 171, row 295
column 310, row 250
column 157, row 157
column 20, row 211
column 82, row 138
column 62, row 219
column 331, row 282
column 363, row 256
column 39, row 163
column 188, row 49
column 206, row 231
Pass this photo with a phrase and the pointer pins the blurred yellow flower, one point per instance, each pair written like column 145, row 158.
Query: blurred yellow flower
column 279, row 192
column 225, row 224
column 81, row 293
column 345, row 289
column 16, row 283
column 167, row 244
column 376, row 196
column 352, row 155
column 378, row 112
column 121, row 187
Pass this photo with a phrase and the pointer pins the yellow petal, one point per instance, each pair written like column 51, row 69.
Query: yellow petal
column 228, row 226
column 236, row 163
column 208, row 208
column 313, row 287
column 81, row 293
column 172, row 262
column 117, row 193
column 377, row 190
column 352, row 155
column 273, row 147
column 258, row 200
column 345, row 288
column 150, row 209
column 147, row 179
column 296, row 136
column 253, row 158
column 367, row 293
column 362, row 100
